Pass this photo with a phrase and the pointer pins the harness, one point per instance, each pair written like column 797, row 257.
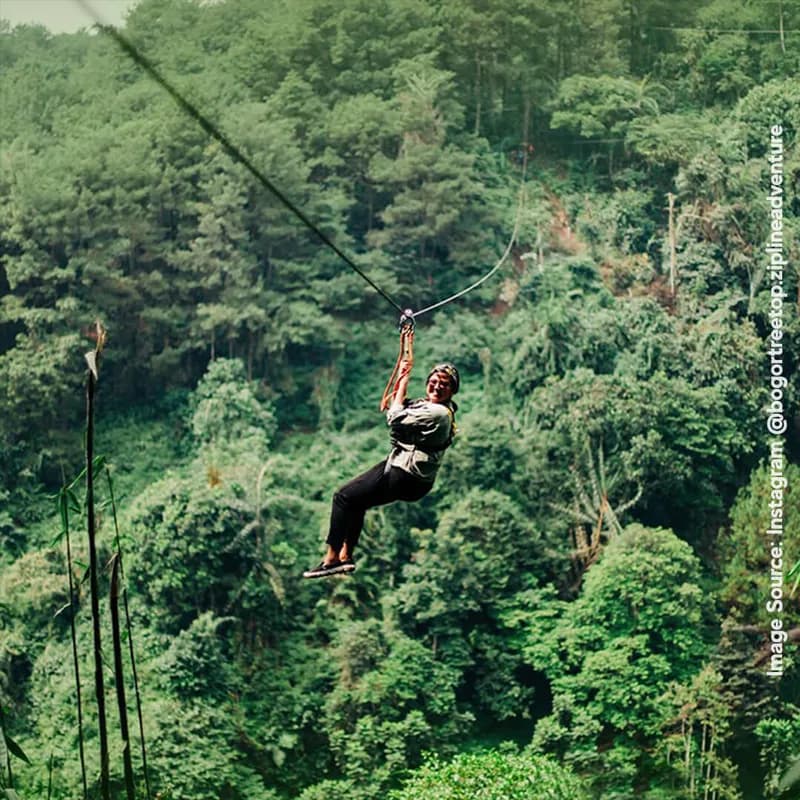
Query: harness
column 410, row 447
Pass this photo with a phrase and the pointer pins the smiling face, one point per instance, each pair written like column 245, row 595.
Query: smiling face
column 439, row 388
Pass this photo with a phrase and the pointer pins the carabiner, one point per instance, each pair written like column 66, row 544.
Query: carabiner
column 406, row 320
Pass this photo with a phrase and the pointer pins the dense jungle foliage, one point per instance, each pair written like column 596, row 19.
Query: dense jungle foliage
column 578, row 608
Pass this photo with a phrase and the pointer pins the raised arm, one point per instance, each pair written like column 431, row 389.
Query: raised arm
column 394, row 394
column 401, row 392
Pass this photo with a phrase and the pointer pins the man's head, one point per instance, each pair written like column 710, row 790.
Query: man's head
column 442, row 383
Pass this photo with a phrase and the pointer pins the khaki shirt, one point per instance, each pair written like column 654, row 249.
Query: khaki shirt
column 421, row 432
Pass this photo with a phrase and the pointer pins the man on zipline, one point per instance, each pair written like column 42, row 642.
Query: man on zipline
column 421, row 430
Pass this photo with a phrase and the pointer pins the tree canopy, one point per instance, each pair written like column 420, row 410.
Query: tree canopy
column 578, row 608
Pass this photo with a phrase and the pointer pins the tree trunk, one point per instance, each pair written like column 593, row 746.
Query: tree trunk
column 673, row 262
column 526, row 123
column 539, row 249
column 709, row 768
column 687, row 756
column 703, row 757
column 477, row 129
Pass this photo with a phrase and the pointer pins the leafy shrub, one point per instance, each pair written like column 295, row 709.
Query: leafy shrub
column 492, row 776
column 227, row 412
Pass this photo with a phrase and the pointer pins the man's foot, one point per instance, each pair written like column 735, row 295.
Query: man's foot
column 348, row 565
column 334, row 568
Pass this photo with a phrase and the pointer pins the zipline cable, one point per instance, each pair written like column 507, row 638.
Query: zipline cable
column 238, row 156
column 520, row 204
column 229, row 147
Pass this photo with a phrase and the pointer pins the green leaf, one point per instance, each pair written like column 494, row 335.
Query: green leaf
column 76, row 479
column 15, row 749
column 91, row 360
column 85, row 577
column 74, row 502
column 62, row 610
column 790, row 777
column 110, row 481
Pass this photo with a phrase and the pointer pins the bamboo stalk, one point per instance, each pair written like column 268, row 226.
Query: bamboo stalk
column 99, row 685
column 119, row 678
column 129, row 629
column 692, row 792
column 64, row 504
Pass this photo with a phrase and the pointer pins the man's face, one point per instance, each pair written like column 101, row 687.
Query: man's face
column 439, row 388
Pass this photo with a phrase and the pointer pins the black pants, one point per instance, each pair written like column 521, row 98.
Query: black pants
column 376, row 487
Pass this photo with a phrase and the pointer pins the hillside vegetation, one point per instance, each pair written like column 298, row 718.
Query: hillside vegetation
column 578, row 609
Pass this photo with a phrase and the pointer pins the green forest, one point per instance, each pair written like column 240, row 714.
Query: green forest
column 581, row 607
